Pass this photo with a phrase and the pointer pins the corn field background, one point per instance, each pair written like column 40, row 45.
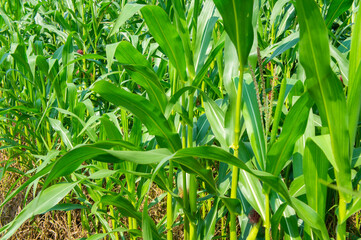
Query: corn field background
column 181, row 119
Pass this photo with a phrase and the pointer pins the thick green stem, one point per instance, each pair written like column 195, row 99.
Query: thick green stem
column 169, row 204
column 233, row 220
column 268, row 225
column 341, row 227
column 184, row 174
column 223, row 225
column 186, row 204
column 193, row 205
column 68, row 215
column 114, row 223
column 237, row 131
column 193, row 181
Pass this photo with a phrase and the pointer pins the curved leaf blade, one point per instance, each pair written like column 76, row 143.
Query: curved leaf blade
column 166, row 36
column 146, row 111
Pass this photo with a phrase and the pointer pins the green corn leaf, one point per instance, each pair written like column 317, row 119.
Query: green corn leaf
column 342, row 62
column 251, row 189
column 277, row 10
column 126, row 53
column 336, row 8
column 167, row 37
column 90, row 131
column 354, row 88
column 182, row 27
column 147, row 78
column 288, row 220
column 252, row 119
column 355, row 52
column 324, row 86
column 127, row 12
column 218, row 154
column 146, row 111
column 34, row 178
column 21, row 58
column 297, row 187
column 73, row 159
column 221, row 155
column 355, row 207
column 146, row 223
column 237, row 19
column 128, row 210
column 67, row 56
column 293, row 128
column 234, row 205
column 112, row 132
column 311, row 218
column 205, row 26
column 315, row 167
column 231, row 66
column 205, row 67
column 194, row 167
column 63, row 132
column 211, row 220
column 356, row 157
column 215, row 116
column 276, row 219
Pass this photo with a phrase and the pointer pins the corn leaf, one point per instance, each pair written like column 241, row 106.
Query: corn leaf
column 293, row 128
column 324, row 86
column 315, row 167
column 167, row 37
column 354, row 88
column 127, row 12
column 146, row 111
column 127, row 209
column 237, row 20
column 252, row 119
column 336, row 8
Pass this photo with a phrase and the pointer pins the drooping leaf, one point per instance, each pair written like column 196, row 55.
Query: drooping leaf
column 146, row 111
column 100, row 151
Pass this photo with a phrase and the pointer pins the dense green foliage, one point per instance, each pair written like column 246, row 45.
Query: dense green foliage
column 245, row 113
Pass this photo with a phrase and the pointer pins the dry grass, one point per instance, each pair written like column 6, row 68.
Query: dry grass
column 46, row 226
column 51, row 226
column 54, row 225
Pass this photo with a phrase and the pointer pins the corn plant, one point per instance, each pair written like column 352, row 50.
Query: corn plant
column 245, row 115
